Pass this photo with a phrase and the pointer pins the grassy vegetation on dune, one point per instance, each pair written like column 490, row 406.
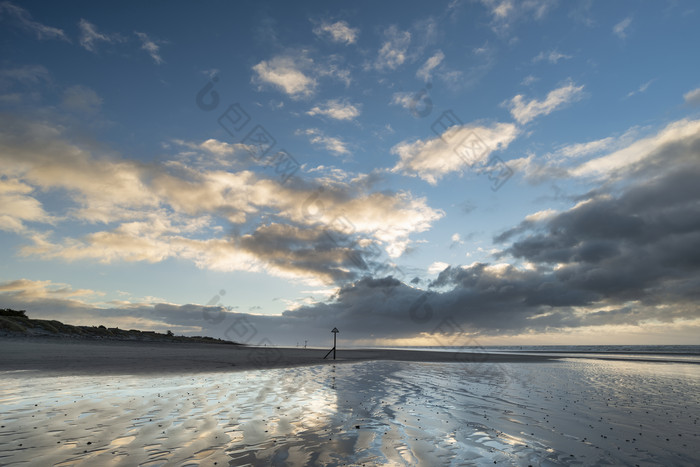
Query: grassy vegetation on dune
column 16, row 323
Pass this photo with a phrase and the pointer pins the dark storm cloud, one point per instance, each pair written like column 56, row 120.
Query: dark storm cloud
column 318, row 252
column 631, row 246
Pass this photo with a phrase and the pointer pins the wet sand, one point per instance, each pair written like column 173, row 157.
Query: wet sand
column 64, row 356
column 570, row 412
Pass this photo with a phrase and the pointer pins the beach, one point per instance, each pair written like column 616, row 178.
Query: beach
column 75, row 356
column 79, row 403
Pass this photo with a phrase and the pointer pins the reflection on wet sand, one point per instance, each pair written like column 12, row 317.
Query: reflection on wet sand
column 373, row 413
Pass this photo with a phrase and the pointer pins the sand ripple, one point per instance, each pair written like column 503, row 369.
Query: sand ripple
column 371, row 413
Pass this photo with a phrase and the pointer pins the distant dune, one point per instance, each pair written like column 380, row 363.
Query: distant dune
column 15, row 323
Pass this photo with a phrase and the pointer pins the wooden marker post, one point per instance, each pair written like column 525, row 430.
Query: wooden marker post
column 335, row 332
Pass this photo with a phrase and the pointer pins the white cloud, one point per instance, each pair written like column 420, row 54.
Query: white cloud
column 335, row 145
column 692, row 97
column 502, row 9
column 682, row 132
column 37, row 154
column 407, row 100
column 89, row 36
column 505, row 13
column 339, row 32
column 426, row 70
column 31, row 290
column 286, row 73
column 213, row 146
column 337, row 109
column 553, row 56
column 393, row 52
column 212, row 154
column 152, row 240
column 559, row 164
column 458, row 147
column 24, row 20
column 220, row 148
column 150, row 46
column 17, row 206
column 620, row 29
column 437, row 267
column 540, row 216
column 172, row 210
column 584, row 149
column 525, row 111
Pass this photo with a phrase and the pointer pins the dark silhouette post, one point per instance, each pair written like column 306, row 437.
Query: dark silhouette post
column 335, row 332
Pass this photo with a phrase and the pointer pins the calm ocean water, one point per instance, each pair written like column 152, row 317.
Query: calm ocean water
column 667, row 353
column 624, row 349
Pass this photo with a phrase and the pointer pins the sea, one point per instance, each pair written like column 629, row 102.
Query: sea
column 667, row 353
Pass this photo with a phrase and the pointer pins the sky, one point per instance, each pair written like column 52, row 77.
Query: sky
column 413, row 173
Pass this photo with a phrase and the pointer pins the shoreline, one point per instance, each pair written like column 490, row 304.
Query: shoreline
column 80, row 357
column 60, row 356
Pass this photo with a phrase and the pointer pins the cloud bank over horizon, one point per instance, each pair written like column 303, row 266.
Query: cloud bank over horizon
column 622, row 256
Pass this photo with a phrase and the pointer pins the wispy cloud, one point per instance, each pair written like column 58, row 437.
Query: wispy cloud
column 24, row 19
column 553, row 56
column 425, row 71
column 393, row 52
column 529, row 79
column 563, row 162
column 685, row 133
column 620, row 29
column 407, row 100
column 505, row 13
column 212, row 153
column 585, row 149
column 333, row 144
column 434, row 158
column 82, row 99
column 24, row 74
column 642, row 88
column 338, row 109
column 339, row 32
column 692, row 97
column 150, row 46
column 33, row 289
column 614, row 157
column 333, row 67
column 89, row 36
column 525, row 111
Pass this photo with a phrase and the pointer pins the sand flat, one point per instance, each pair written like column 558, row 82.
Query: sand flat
column 571, row 412
column 71, row 403
column 66, row 356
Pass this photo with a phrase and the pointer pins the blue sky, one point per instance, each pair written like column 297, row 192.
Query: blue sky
column 447, row 173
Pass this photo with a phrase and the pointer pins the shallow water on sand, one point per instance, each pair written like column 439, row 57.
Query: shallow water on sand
column 570, row 412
